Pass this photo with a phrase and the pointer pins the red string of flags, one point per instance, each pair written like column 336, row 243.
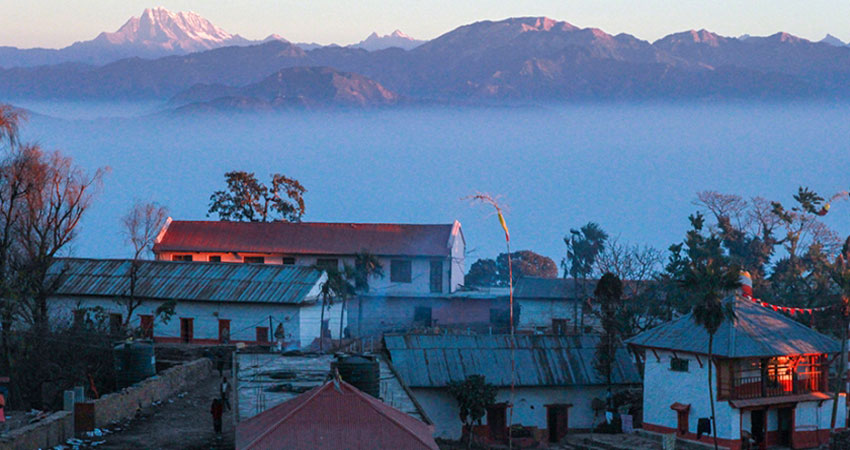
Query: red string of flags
column 789, row 309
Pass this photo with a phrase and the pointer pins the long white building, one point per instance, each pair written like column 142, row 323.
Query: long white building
column 213, row 303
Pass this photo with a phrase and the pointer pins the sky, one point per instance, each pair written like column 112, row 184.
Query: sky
column 54, row 24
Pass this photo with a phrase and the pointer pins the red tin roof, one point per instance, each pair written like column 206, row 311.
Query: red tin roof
column 334, row 415
column 306, row 238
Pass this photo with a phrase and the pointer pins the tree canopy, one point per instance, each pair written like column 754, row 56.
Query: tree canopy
column 525, row 263
column 246, row 199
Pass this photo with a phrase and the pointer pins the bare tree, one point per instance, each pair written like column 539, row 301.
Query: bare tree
column 141, row 226
column 47, row 222
column 10, row 119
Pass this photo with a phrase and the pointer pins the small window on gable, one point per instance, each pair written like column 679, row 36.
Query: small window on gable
column 254, row 260
column 288, row 261
column 678, row 364
column 400, row 271
column 181, row 257
column 215, row 258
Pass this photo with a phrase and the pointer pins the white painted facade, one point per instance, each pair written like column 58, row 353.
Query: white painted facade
column 664, row 386
column 451, row 272
column 301, row 323
column 529, row 409
column 535, row 313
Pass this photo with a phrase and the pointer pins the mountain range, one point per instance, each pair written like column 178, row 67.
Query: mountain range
column 518, row 59
column 396, row 39
column 158, row 32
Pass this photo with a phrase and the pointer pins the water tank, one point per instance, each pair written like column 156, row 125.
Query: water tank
column 134, row 361
column 360, row 371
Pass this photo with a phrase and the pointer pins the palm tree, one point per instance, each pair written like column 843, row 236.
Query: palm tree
column 335, row 286
column 708, row 275
column 366, row 265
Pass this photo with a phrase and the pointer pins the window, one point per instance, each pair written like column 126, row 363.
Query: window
column 678, row 365
column 187, row 329
column 436, row 276
column 216, row 258
column 400, row 271
column 262, row 335
column 254, row 260
column 224, row 331
column 79, row 317
column 559, row 326
column 288, row 260
column 146, row 322
column 115, row 323
column 327, row 263
column 422, row 315
column 181, row 257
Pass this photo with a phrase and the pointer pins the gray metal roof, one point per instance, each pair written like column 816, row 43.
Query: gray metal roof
column 192, row 281
column 756, row 332
column 554, row 288
column 435, row 360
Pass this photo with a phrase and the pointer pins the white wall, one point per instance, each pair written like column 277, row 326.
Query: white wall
column 244, row 318
column 420, row 280
column 458, row 253
column 529, row 409
column 540, row 312
column 663, row 387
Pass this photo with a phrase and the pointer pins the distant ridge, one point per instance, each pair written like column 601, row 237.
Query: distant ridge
column 395, row 39
column 521, row 59
column 309, row 87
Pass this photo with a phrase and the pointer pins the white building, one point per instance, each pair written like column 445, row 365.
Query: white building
column 213, row 303
column 555, row 382
column 416, row 259
column 770, row 379
column 553, row 304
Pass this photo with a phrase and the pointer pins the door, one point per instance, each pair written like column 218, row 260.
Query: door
column 224, row 331
column 147, row 325
column 785, row 416
column 757, row 423
column 557, row 421
column 497, row 421
column 262, row 335
column 186, row 329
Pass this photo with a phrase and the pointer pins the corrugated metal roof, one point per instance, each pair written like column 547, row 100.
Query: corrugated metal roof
column 555, row 288
column 435, row 360
column 334, row 416
column 307, row 238
column 756, row 332
column 218, row 282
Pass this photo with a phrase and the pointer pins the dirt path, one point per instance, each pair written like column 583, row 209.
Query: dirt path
column 181, row 422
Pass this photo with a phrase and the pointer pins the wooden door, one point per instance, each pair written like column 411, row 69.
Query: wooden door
column 186, row 329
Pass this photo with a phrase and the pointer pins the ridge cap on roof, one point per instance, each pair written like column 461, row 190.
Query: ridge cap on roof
column 382, row 409
column 281, row 222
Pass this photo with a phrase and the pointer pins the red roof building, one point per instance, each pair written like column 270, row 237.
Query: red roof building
column 334, row 415
column 417, row 259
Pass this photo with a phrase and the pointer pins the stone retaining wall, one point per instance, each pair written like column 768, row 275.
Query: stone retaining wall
column 123, row 404
column 53, row 430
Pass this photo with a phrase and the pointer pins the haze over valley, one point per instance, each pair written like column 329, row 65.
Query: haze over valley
column 613, row 128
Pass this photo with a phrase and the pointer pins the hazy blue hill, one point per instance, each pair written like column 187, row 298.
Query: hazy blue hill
column 291, row 87
column 529, row 59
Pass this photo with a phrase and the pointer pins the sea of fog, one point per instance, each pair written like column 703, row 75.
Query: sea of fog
column 633, row 168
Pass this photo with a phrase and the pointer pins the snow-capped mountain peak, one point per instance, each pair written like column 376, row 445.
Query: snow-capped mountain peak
column 395, row 39
column 159, row 28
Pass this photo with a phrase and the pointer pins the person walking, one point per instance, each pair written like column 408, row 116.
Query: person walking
column 4, row 427
column 216, row 410
column 224, row 390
